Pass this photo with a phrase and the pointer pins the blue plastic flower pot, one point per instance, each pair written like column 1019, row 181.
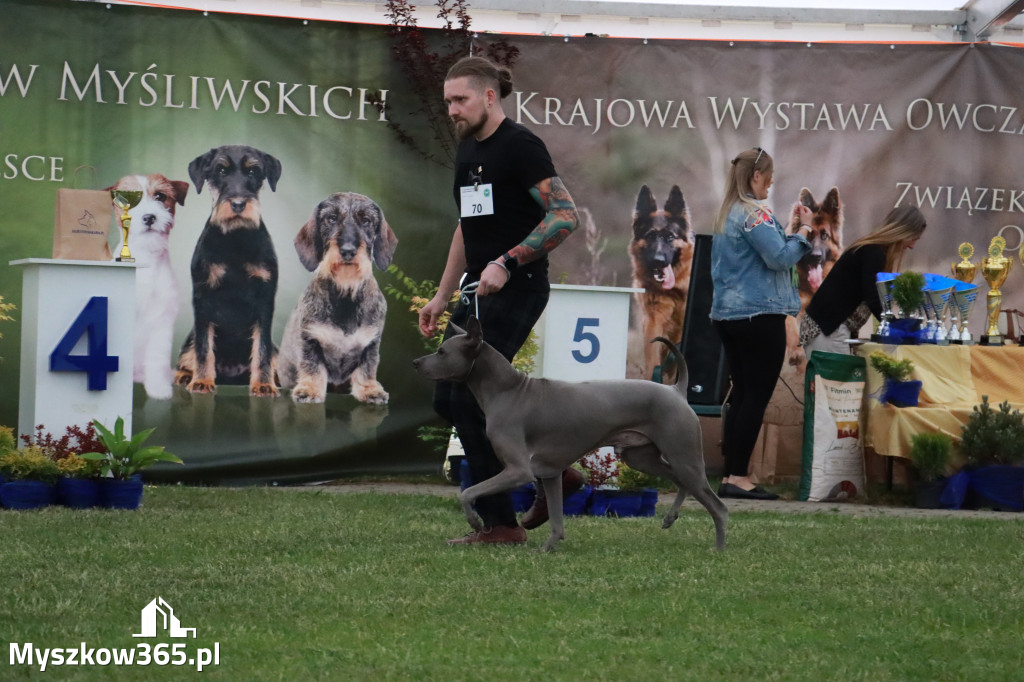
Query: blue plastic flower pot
column 619, row 503
column 576, row 504
column 997, row 487
column 901, row 393
column 928, row 494
column 78, row 493
column 648, row 501
column 26, row 494
column 904, row 330
column 121, row 494
column 522, row 497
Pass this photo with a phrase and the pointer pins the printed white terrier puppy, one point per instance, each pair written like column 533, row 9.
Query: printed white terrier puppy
column 156, row 290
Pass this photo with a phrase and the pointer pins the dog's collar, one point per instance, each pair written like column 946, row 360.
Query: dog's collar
column 469, row 371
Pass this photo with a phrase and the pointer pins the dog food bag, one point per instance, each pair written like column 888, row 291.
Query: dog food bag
column 833, row 452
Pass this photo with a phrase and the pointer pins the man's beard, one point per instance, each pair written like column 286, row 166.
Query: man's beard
column 464, row 129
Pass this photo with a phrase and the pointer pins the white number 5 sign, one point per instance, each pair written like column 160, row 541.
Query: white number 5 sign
column 584, row 332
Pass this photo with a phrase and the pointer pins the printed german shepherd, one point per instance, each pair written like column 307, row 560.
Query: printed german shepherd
column 826, row 246
column 662, row 253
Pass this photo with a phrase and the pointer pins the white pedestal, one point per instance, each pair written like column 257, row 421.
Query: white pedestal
column 583, row 333
column 62, row 315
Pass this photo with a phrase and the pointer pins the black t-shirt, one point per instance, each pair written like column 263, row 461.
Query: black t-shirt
column 512, row 160
column 850, row 282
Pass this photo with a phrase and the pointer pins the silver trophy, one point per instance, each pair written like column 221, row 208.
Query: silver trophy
column 930, row 326
column 954, row 320
column 939, row 300
column 964, row 297
column 885, row 297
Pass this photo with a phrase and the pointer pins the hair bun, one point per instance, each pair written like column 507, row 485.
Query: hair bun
column 504, row 82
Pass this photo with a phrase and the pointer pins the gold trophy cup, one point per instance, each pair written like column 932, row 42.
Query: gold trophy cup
column 965, row 269
column 124, row 200
column 994, row 269
column 963, row 299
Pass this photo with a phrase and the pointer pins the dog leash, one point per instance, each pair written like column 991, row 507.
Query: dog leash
column 470, row 290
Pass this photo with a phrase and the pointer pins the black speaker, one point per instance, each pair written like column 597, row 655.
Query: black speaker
column 701, row 347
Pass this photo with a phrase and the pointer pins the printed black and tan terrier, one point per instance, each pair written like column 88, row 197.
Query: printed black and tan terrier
column 234, row 276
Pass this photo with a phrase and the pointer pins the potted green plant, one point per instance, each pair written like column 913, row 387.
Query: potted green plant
column 897, row 390
column 992, row 444
column 79, row 484
column 29, row 478
column 908, row 293
column 992, row 437
column 931, row 453
column 123, row 459
column 616, row 488
column 645, row 484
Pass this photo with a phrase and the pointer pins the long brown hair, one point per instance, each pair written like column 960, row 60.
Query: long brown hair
column 902, row 224
column 737, row 184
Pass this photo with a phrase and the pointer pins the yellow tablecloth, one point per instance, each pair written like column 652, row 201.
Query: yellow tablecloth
column 953, row 380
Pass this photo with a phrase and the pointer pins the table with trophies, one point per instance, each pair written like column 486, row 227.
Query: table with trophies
column 954, row 368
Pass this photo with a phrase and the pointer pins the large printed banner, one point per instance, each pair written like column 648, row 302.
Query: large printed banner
column 633, row 128
column 863, row 128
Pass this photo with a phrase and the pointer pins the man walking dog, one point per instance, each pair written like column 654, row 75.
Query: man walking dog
column 513, row 210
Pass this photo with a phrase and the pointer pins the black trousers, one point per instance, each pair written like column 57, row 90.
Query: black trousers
column 506, row 319
column 755, row 349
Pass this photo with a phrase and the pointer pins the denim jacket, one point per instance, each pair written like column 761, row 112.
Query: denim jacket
column 752, row 266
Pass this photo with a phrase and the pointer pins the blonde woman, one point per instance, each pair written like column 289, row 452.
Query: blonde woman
column 848, row 296
column 752, row 261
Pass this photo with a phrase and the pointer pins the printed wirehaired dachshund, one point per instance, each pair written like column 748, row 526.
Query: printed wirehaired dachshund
column 234, row 276
column 333, row 336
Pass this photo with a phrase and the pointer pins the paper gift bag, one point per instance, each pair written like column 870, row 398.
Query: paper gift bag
column 81, row 224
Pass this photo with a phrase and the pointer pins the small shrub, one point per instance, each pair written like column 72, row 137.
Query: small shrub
column 75, row 466
column 634, row 479
column 599, row 469
column 890, row 367
column 7, row 440
column 991, row 436
column 29, row 464
column 75, row 440
column 907, row 291
column 4, row 309
column 931, row 454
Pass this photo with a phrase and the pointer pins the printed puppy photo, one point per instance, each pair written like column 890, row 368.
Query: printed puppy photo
column 156, row 288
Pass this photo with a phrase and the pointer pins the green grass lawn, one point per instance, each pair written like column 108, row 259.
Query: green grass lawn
column 321, row 586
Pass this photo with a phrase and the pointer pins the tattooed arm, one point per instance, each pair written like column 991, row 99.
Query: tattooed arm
column 558, row 223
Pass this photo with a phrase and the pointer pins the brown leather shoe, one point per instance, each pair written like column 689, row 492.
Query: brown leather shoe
column 537, row 515
column 498, row 535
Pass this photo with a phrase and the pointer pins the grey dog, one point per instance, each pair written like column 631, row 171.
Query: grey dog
column 538, row 427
